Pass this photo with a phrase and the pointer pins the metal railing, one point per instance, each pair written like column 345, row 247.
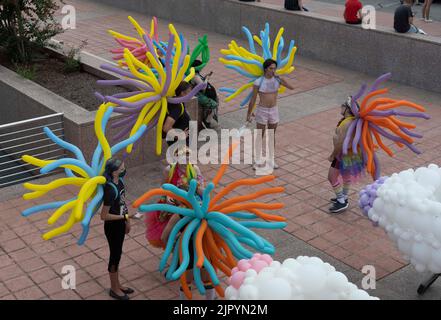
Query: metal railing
column 28, row 138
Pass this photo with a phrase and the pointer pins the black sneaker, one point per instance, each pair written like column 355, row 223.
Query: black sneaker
column 334, row 200
column 337, row 207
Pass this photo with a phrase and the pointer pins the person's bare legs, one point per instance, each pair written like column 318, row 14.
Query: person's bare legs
column 272, row 151
column 210, row 292
column 119, row 283
column 115, row 286
column 258, row 144
column 333, row 178
column 426, row 10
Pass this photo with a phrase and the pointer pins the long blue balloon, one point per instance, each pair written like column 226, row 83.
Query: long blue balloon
column 206, row 196
column 93, row 205
column 172, row 188
column 238, row 254
column 279, row 51
column 192, row 199
column 69, row 173
column 291, row 47
column 244, row 60
column 91, row 209
column 242, row 215
column 230, row 90
column 184, row 248
column 247, row 99
column 209, row 267
column 174, row 262
column 163, row 52
column 168, row 248
column 250, row 39
column 228, row 222
column 242, row 72
column 196, row 270
column 45, row 206
column 65, row 161
column 121, row 145
column 226, row 234
column 66, row 145
column 267, row 249
column 263, row 225
column 168, row 208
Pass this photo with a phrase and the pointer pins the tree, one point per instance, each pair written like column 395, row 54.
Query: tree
column 26, row 25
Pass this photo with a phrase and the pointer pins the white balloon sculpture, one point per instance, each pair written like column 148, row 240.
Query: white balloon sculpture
column 304, row 278
column 408, row 206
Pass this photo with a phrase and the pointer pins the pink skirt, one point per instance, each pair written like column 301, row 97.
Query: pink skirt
column 154, row 228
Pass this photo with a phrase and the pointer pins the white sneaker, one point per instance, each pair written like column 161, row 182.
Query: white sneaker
column 258, row 165
column 138, row 215
column 274, row 165
column 428, row 20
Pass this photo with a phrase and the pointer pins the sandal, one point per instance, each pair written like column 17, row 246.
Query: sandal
column 117, row 297
column 127, row 290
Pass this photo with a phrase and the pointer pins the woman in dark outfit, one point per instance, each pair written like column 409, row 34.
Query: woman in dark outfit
column 177, row 116
column 116, row 223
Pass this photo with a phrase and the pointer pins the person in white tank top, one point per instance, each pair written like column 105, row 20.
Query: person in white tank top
column 265, row 85
column 267, row 112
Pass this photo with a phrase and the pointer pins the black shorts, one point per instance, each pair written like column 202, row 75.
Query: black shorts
column 187, row 142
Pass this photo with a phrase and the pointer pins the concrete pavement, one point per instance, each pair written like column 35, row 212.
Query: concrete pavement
column 31, row 268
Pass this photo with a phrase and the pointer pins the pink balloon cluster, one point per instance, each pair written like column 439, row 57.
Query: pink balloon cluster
column 256, row 263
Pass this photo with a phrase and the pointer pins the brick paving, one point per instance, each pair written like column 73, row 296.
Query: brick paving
column 30, row 268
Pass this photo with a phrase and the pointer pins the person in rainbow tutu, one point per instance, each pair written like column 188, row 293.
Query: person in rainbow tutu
column 160, row 224
column 359, row 135
column 344, row 169
column 178, row 174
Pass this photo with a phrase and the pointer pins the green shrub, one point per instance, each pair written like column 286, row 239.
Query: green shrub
column 28, row 72
column 72, row 62
column 26, row 25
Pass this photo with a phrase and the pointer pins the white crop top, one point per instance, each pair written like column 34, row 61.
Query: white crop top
column 267, row 85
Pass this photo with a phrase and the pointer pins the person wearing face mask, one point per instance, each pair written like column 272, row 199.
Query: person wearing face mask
column 116, row 219
column 267, row 112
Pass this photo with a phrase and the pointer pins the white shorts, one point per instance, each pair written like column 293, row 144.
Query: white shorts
column 266, row 115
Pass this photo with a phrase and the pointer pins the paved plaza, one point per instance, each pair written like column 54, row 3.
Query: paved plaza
column 30, row 268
